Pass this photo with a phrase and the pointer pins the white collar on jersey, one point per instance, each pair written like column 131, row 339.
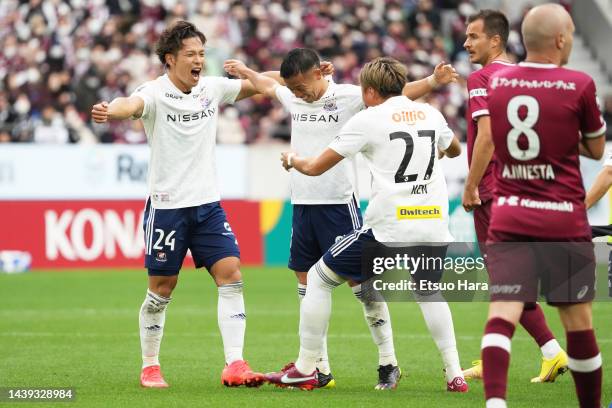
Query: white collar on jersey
column 537, row 65
column 502, row 62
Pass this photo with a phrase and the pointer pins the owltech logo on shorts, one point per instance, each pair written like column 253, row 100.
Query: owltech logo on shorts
column 419, row 212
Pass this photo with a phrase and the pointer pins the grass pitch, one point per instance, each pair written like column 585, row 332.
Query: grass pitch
column 80, row 329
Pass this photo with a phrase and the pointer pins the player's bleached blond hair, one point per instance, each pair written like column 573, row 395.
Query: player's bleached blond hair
column 385, row 75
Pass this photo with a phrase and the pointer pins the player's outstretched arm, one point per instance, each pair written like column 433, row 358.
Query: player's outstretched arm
column 311, row 166
column 119, row 108
column 248, row 87
column 602, row 184
column 443, row 74
column 481, row 157
column 254, row 83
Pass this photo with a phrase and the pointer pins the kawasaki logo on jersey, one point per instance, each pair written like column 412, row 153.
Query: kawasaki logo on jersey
column 418, row 212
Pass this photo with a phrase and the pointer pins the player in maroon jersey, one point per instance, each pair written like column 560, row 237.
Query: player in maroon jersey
column 542, row 118
column 487, row 34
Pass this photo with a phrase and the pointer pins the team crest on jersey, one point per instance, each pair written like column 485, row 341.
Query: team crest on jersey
column 204, row 100
column 330, row 105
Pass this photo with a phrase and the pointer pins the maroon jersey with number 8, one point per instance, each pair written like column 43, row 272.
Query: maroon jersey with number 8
column 539, row 112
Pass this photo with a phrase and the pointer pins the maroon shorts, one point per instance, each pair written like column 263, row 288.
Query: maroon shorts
column 521, row 267
column 482, row 216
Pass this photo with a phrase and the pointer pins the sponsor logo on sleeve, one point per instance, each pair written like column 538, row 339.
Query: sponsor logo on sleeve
column 478, row 92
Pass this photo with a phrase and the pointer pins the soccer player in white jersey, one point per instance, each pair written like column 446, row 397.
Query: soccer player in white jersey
column 601, row 185
column 180, row 111
column 325, row 208
column 386, row 133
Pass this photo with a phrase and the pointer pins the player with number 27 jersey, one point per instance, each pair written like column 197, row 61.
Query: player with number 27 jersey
column 399, row 140
column 539, row 112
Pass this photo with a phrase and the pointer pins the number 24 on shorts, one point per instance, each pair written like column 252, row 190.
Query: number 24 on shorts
column 169, row 242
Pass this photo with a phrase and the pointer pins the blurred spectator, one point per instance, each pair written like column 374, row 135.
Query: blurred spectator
column 230, row 129
column 50, row 128
column 5, row 136
column 77, row 128
column 60, row 57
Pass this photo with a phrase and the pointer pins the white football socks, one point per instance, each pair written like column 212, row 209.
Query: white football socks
column 232, row 320
column 301, row 291
column 550, row 349
column 151, row 321
column 379, row 321
column 323, row 359
column 496, row 403
column 439, row 321
column 315, row 311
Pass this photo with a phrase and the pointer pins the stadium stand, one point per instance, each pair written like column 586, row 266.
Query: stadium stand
column 60, row 57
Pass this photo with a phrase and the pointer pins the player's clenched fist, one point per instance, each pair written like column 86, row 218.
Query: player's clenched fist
column 235, row 67
column 327, row 68
column 286, row 158
column 99, row 112
column 471, row 198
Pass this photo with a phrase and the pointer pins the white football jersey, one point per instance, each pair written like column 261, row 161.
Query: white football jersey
column 399, row 139
column 181, row 130
column 608, row 161
column 313, row 126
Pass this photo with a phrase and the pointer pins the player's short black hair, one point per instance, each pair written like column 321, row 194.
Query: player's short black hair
column 298, row 61
column 171, row 39
column 495, row 23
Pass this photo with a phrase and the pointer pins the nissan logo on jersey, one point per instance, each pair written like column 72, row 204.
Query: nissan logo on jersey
column 190, row 117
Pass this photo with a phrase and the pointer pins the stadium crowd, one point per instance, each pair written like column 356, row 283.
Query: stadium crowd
column 60, row 57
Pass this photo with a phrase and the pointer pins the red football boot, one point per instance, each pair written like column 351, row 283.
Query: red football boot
column 151, row 377
column 457, row 385
column 290, row 377
column 239, row 373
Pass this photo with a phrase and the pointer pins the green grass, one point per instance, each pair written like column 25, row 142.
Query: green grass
column 80, row 329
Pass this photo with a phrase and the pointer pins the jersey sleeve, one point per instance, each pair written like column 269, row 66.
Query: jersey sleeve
column 146, row 92
column 608, row 161
column 284, row 95
column 591, row 121
column 230, row 88
column 358, row 104
column 352, row 138
column 478, row 95
column 445, row 134
column 226, row 89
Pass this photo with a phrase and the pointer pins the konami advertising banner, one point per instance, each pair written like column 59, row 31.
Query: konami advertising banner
column 60, row 234
column 82, row 205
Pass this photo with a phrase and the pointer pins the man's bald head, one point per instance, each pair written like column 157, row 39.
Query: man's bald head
column 548, row 28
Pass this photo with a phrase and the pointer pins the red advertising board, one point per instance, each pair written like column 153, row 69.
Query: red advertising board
column 65, row 234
